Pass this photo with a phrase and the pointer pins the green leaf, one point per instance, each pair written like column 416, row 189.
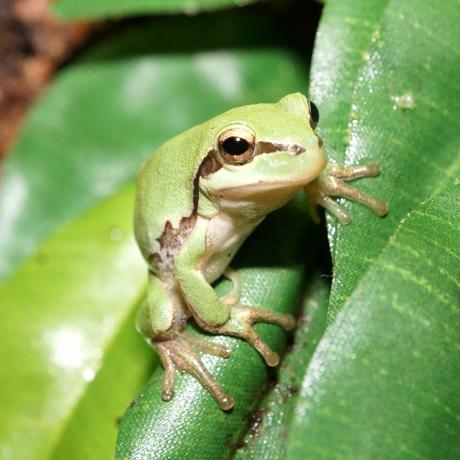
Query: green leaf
column 345, row 32
column 383, row 381
column 87, row 9
column 109, row 110
column 62, row 314
column 67, row 314
column 404, row 88
column 268, row 426
column 272, row 269
column 380, row 384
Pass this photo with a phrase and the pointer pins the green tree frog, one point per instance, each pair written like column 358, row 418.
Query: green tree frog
column 198, row 198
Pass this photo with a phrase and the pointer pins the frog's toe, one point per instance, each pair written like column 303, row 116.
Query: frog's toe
column 241, row 325
column 353, row 172
column 340, row 213
column 178, row 354
column 204, row 346
column 341, row 189
column 332, row 183
column 270, row 357
column 170, row 371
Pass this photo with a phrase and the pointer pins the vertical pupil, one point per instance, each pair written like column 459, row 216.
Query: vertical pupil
column 235, row 145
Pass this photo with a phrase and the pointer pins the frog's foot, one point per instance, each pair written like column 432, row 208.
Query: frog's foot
column 331, row 182
column 179, row 354
column 241, row 324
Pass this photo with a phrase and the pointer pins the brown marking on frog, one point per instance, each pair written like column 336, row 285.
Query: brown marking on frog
column 272, row 147
column 172, row 239
column 209, row 165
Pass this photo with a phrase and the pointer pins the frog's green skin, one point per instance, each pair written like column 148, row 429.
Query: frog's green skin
column 194, row 209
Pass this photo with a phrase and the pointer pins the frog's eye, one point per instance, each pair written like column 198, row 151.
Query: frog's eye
column 236, row 145
column 314, row 114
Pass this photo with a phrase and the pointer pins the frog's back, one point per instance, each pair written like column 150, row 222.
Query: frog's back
column 165, row 187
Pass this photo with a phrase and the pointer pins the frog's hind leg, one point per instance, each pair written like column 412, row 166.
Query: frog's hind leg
column 331, row 182
column 178, row 354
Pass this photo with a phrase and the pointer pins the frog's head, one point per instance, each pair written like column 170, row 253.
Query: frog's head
column 262, row 154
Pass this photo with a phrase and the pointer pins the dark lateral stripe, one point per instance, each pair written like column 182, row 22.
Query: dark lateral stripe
column 271, row 147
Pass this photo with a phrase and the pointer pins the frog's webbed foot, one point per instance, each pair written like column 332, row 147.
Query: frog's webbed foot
column 179, row 354
column 332, row 182
column 241, row 324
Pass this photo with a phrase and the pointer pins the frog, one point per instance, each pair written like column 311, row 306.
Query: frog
column 198, row 197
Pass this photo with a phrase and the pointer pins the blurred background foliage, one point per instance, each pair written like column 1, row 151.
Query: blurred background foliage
column 372, row 370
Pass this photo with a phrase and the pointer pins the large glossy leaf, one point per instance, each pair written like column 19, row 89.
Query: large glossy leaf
column 383, row 381
column 272, row 270
column 73, row 9
column 110, row 109
column 400, row 88
column 344, row 34
column 349, row 32
column 67, row 315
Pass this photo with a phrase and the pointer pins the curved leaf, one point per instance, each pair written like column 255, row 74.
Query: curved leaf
column 404, row 89
column 192, row 426
column 87, row 9
column 383, row 381
column 60, row 313
column 109, row 110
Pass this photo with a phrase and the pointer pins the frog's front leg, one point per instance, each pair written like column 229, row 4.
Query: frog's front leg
column 162, row 319
column 210, row 312
column 332, row 183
